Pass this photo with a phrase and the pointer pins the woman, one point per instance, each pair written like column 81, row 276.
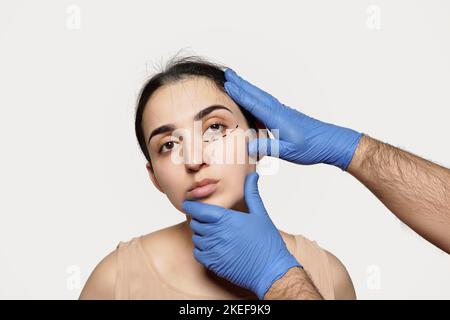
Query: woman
column 189, row 97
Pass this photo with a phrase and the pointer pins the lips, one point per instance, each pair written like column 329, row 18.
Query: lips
column 202, row 188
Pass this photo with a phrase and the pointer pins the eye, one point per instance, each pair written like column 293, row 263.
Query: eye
column 168, row 146
column 216, row 126
column 214, row 131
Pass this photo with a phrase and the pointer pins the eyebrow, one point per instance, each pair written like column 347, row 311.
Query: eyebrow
column 201, row 114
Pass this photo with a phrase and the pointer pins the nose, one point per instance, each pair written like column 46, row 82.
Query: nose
column 194, row 167
column 193, row 156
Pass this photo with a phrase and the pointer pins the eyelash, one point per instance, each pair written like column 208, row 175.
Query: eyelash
column 217, row 123
column 162, row 146
column 160, row 150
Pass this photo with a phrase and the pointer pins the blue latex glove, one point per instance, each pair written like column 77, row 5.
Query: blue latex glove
column 244, row 248
column 302, row 139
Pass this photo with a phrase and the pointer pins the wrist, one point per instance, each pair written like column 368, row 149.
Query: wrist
column 294, row 285
column 360, row 155
column 275, row 271
column 350, row 141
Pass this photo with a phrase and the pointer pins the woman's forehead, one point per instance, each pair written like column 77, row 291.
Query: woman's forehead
column 180, row 101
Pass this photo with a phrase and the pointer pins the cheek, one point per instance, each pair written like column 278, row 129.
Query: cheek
column 233, row 183
column 170, row 178
column 230, row 151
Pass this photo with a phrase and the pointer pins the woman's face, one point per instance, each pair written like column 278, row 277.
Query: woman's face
column 176, row 108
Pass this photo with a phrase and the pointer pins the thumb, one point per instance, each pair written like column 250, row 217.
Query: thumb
column 206, row 213
column 252, row 197
column 271, row 147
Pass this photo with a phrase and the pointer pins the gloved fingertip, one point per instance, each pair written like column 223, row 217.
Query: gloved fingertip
column 251, row 186
column 229, row 73
column 252, row 148
column 231, row 89
column 252, row 178
column 186, row 205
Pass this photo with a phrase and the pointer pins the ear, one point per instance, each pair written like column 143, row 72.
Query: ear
column 153, row 177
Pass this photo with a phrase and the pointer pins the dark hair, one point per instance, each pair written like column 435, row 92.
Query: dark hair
column 175, row 70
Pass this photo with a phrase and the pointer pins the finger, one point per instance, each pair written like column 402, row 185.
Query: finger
column 272, row 148
column 203, row 212
column 260, row 103
column 263, row 147
column 253, row 105
column 233, row 77
column 252, row 197
column 200, row 256
column 200, row 242
column 199, row 228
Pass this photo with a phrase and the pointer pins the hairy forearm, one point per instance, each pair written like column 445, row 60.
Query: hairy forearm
column 416, row 190
column 294, row 285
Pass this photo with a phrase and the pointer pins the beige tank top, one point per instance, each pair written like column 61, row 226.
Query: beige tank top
column 138, row 279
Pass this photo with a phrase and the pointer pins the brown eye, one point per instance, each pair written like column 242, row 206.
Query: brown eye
column 215, row 126
column 168, row 146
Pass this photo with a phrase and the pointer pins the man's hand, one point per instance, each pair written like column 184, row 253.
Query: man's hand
column 246, row 249
column 300, row 139
column 417, row 191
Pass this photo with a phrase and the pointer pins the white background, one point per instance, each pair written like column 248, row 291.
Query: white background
column 73, row 181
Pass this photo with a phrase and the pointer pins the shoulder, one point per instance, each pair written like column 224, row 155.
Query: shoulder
column 322, row 264
column 159, row 241
column 108, row 274
column 101, row 282
column 343, row 285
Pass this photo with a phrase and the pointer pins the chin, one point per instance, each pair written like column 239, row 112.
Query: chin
column 215, row 200
column 218, row 200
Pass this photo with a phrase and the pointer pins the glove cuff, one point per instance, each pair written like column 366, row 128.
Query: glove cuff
column 274, row 272
column 351, row 138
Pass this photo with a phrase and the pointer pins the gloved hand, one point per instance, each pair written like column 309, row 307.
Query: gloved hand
column 244, row 248
column 301, row 139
